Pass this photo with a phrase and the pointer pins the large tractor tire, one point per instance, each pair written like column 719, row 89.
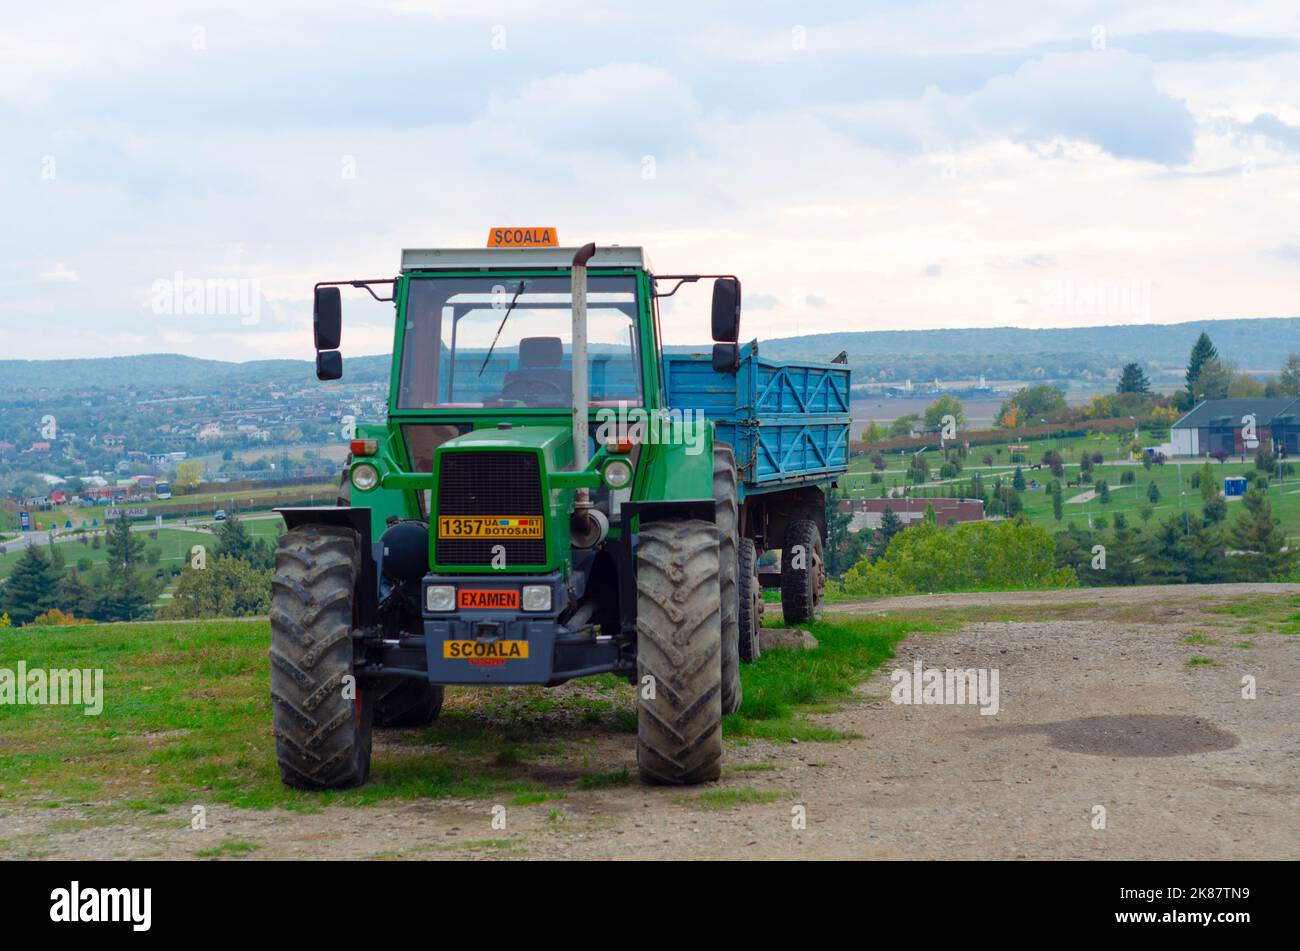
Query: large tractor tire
column 726, row 516
column 407, row 703
column 750, row 595
column 322, row 738
column 803, row 572
column 679, row 646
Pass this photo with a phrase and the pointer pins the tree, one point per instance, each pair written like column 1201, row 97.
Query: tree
column 874, row 433
column 890, row 525
column 945, row 405
column 232, row 538
column 1213, row 381
column 1202, row 352
column 1260, row 542
column 1207, row 483
column 225, row 587
column 123, row 594
column 1029, row 404
column 189, row 474
column 1153, row 493
column 32, row 588
column 1103, row 492
column 1133, row 380
column 1018, row 480
column 1058, row 504
column 1289, row 379
column 903, row 425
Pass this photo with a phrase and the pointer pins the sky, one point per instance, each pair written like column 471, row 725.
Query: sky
column 861, row 166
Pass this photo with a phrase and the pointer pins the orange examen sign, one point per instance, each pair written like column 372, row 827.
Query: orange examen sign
column 523, row 238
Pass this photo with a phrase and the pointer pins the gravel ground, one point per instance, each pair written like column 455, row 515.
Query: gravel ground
column 1098, row 709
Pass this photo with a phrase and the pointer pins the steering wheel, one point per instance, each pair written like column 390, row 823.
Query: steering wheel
column 531, row 387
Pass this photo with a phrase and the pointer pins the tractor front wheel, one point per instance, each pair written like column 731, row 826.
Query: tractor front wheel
column 679, row 653
column 321, row 724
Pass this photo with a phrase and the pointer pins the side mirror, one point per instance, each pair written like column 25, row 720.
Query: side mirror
column 329, row 365
column 327, row 318
column 726, row 310
column 726, row 357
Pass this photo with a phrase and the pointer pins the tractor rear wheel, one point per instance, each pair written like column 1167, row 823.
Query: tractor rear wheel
column 322, row 728
column 726, row 516
column 803, row 572
column 406, row 703
column 679, row 653
column 750, row 594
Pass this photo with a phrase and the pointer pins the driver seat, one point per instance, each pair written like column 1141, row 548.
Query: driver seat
column 541, row 359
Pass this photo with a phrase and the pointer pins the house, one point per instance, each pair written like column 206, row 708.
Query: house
column 112, row 441
column 39, row 448
column 1237, row 427
column 868, row 513
column 210, row 431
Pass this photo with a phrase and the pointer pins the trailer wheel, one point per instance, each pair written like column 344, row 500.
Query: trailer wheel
column 344, row 498
column 803, row 572
column 725, row 516
column 407, row 703
column 322, row 738
column 679, row 653
column 750, row 595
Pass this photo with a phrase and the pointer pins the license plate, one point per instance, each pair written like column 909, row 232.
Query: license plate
column 480, row 651
column 472, row 598
column 489, row 526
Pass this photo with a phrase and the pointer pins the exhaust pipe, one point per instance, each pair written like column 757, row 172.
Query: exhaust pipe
column 589, row 526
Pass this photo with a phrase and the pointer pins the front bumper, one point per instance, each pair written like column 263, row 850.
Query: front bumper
column 493, row 646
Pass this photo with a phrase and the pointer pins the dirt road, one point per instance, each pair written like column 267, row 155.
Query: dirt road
column 1121, row 732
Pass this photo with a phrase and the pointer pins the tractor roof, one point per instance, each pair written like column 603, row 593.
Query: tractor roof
column 425, row 259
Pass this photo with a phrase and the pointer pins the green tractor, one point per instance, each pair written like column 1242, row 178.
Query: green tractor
column 552, row 496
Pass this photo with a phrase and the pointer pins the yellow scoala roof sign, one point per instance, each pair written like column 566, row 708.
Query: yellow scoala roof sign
column 523, row 238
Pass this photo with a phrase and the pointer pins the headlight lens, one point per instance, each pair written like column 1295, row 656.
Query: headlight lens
column 440, row 597
column 618, row 473
column 537, row 597
column 365, row 476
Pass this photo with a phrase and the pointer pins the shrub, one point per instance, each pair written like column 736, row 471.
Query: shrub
column 56, row 618
column 974, row 556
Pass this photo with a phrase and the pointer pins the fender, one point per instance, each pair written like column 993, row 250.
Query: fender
column 357, row 519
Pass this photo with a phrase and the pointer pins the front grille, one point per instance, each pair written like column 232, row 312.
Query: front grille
column 489, row 483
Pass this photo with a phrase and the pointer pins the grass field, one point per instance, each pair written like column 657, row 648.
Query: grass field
column 187, row 719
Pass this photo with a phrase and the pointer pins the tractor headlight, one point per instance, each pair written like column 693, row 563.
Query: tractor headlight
column 440, row 597
column 537, row 597
column 617, row 473
column 365, row 476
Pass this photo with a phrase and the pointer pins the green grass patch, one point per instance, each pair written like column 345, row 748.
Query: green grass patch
column 616, row 777
column 1202, row 662
column 784, row 687
column 726, row 798
column 1198, row 639
column 535, row 798
column 231, row 848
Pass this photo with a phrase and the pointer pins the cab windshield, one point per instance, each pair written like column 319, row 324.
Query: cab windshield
column 493, row 341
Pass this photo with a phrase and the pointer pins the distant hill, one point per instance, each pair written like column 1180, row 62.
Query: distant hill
column 1249, row 342
column 999, row 352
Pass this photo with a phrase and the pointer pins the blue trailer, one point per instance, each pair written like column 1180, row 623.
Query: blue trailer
column 788, row 422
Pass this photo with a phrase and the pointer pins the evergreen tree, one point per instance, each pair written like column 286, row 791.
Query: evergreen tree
column 123, row 594
column 1208, row 484
column 890, row 525
column 232, row 539
column 1202, row 352
column 1133, row 380
column 1058, row 503
column 1018, row 480
column 1260, row 542
column 1153, row 493
column 32, row 588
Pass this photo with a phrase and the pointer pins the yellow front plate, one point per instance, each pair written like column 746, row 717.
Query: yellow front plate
column 489, row 526
column 474, row 650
